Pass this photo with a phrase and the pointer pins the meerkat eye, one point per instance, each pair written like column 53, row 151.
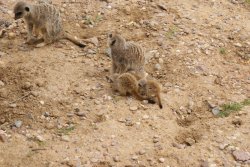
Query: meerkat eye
column 110, row 35
column 113, row 42
column 27, row 9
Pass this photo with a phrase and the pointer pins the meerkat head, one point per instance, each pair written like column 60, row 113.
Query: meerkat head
column 21, row 10
column 115, row 40
column 142, row 84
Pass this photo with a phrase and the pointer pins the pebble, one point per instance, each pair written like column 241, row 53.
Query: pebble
column 190, row 141
column 94, row 160
column 205, row 164
column 42, row 102
column 241, row 155
column 215, row 110
column 116, row 159
column 127, row 10
column 142, row 152
column 180, row 146
column 81, row 114
column 145, row 117
column 11, row 35
column 1, row 83
column 133, row 108
column 18, row 123
column 238, row 45
column 2, row 54
column 223, row 146
column 135, row 157
column 94, row 40
column 50, row 126
column 3, row 136
column 157, row 67
column 65, row 138
column 161, row 61
column 40, row 138
column 161, row 160
column 13, row 105
column 27, row 85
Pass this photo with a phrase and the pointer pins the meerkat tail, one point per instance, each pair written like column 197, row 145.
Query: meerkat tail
column 159, row 101
column 73, row 40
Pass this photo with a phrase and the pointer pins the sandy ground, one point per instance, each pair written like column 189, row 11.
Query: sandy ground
column 57, row 108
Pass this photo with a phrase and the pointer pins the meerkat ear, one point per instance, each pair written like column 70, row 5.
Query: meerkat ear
column 27, row 9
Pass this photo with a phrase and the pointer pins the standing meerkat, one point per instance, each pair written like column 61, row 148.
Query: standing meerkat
column 45, row 19
column 150, row 89
column 125, row 84
column 126, row 56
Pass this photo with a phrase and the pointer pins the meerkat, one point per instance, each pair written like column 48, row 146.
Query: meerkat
column 126, row 56
column 45, row 19
column 150, row 89
column 125, row 84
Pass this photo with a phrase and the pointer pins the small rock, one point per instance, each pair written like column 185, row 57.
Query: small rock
column 190, row 141
column 18, row 123
column 3, row 136
column 1, row 83
column 241, row 155
column 133, row 108
column 40, row 82
column 94, row 40
column 116, row 159
column 42, row 102
column 142, row 152
column 161, row 160
column 205, row 164
column 156, row 140
column 11, row 35
column 34, row 93
column 40, row 138
column 135, row 157
column 215, row 110
column 161, row 61
column 238, row 45
column 180, row 146
column 223, row 146
column 81, row 114
column 127, row 10
column 27, row 85
column 157, row 67
column 145, row 117
column 50, row 126
column 65, row 138
column 13, row 105
column 94, row 160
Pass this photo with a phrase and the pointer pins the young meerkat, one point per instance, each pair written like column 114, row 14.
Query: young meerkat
column 150, row 89
column 45, row 19
column 126, row 56
column 125, row 84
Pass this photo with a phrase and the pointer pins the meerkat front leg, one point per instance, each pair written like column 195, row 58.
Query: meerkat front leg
column 30, row 39
column 46, row 38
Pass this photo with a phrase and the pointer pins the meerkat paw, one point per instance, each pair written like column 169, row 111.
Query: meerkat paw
column 31, row 41
column 41, row 45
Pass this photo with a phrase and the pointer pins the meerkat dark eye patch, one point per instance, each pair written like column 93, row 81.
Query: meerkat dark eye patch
column 113, row 42
column 110, row 35
column 27, row 9
column 19, row 13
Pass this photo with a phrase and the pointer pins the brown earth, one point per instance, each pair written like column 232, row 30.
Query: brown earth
column 70, row 116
